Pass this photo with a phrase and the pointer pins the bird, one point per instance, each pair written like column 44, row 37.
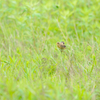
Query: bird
column 61, row 46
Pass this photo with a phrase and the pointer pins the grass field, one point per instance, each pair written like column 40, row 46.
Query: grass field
column 31, row 65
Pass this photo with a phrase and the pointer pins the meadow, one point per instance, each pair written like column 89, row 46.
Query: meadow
column 31, row 65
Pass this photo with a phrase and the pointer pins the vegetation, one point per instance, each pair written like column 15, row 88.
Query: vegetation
column 31, row 65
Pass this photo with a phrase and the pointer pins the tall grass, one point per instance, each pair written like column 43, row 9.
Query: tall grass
column 32, row 67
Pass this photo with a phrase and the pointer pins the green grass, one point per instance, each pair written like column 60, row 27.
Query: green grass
column 31, row 65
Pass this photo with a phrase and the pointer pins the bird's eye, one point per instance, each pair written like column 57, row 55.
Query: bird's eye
column 62, row 42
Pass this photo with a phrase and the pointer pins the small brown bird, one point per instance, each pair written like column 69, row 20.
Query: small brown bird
column 61, row 46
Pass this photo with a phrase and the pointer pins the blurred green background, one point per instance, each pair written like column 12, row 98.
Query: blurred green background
column 31, row 65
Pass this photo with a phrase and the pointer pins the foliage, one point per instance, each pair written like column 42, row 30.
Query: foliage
column 32, row 67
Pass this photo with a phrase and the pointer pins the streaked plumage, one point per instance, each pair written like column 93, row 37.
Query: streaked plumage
column 61, row 45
